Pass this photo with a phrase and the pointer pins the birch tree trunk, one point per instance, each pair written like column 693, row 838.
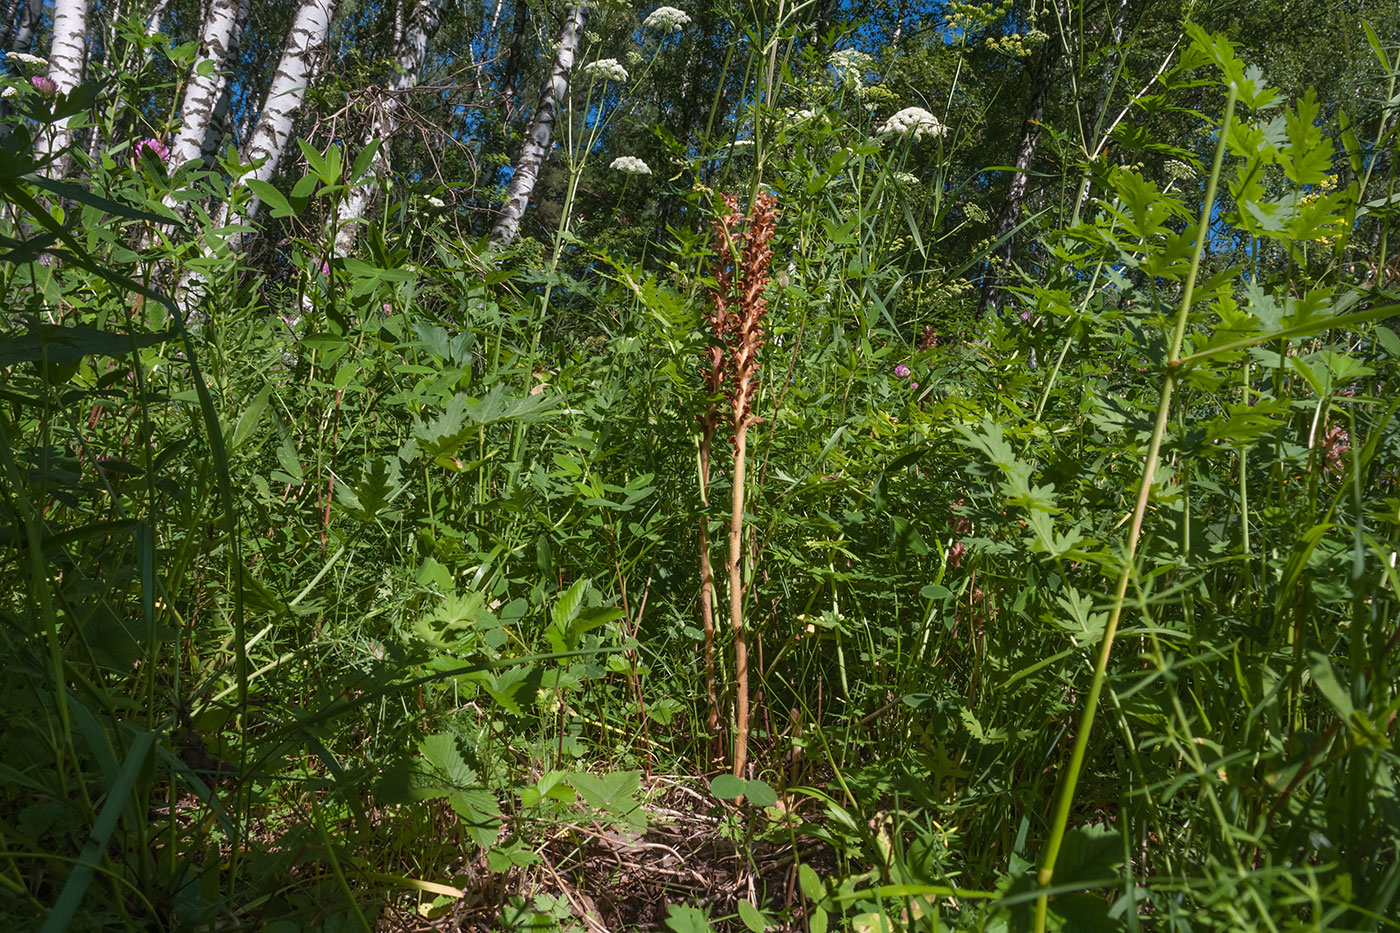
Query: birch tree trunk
column 308, row 35
column 222, row 30
column 27, row 14
column 410, row 55
column 295, row 69
column 156, row 22
column 66, row 57
column 993, row 293
column 506, row 104
column 537, row 141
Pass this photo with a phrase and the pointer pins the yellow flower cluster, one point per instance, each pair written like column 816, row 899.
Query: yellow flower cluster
column 1323, row 189
column 1017, row 45
column 970, row 17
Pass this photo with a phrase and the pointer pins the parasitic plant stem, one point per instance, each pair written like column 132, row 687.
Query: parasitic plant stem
column 741, row 276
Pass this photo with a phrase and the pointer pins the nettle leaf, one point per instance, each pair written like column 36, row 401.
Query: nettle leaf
column 566, row 608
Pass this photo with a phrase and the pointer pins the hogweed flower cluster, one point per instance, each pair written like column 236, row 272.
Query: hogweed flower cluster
column 666, row 19
column 609, row 69
column 913, row 122
column 630, row 165
column 850, row 66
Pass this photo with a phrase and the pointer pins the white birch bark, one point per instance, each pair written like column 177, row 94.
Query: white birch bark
column 295, row 69
column 294, row 72
column 222, row 28
column 410, row 56
column 537, row 142
column 27, row 14
column 156, row 22
column 66, row 56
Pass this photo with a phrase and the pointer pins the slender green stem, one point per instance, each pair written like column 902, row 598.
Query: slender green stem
column 1065, row 801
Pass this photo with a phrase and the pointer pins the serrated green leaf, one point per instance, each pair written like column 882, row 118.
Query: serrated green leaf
column 682, row 918
column 442, row 753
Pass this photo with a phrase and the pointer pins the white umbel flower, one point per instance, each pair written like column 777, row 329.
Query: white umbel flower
column 30, row 64
column 912, row 121
column 851, row 66
column 8, row 92
column 434, row 202
column 667, row 19
column 631, row 165
column 609, row 69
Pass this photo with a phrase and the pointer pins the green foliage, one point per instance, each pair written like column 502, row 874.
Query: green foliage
column 373, row 589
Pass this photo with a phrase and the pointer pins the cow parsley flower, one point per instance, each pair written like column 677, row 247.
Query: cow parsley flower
column 8, row 92
column 906, row 179
column 666, row 19
column 609, row 69
column 631, row 165
column 912, row 121
column 434, row 202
